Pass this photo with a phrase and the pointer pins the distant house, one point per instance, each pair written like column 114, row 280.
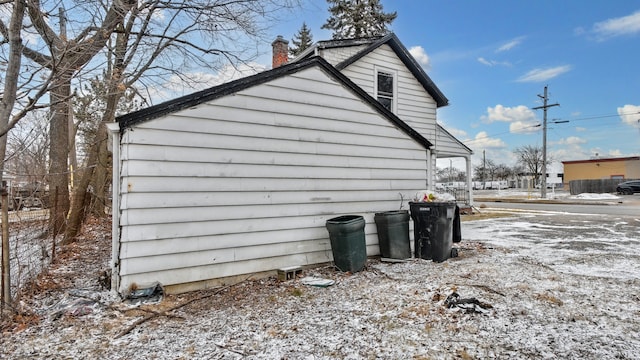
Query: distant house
column 602, row 168
column 241, row 178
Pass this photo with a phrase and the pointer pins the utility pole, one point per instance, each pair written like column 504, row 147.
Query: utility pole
column 544, row 107
column 484, row 168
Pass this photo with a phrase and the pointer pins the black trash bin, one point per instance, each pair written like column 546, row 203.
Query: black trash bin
column 433, row 229
column 348, row 243
column 393, row 234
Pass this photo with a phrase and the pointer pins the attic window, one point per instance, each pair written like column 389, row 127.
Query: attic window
column 385, row 88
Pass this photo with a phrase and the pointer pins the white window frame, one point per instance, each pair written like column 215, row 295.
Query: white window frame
column 394, row 75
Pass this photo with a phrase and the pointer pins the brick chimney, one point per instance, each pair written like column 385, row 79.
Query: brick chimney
column 280, row 48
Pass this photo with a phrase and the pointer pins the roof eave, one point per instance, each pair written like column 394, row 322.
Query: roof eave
column 191, row 100
column 392, row 40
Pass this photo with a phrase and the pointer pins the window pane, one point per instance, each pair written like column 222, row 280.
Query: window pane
column 385, row 84
column 386, row 102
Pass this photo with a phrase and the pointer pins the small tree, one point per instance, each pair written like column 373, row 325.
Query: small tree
column 503, row 172
column 486, row 171
column 358, row 18
column 530, row 157
column 301, row 41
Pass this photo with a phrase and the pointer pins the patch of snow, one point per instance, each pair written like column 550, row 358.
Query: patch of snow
column 592, row 196
column 557, row 286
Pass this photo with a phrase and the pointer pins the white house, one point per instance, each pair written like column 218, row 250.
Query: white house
column 241, row 178
column 372, row 63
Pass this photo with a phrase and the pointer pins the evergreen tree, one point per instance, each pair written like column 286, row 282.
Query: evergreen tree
column 358, row 18
column 301, row 41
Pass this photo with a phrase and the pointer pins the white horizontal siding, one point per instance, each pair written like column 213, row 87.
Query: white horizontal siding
column 448, row 145
column 415, row 106
column 336, row 55
column 166, row 201
column 196, row 215
column 175, row 184
column 388, row 158
column 251, row 179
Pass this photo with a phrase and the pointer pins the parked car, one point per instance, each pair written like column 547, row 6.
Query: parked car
column 628, row 187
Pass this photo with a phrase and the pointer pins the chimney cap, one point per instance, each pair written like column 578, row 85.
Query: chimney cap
column 280, row 39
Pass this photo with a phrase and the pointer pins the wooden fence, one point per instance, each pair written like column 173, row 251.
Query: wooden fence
column 598, row 186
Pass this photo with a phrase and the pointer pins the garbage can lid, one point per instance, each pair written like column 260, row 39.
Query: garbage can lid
column 344, row 219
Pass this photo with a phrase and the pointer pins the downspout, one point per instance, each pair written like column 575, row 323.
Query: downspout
column 114, row 132
column 429, row 185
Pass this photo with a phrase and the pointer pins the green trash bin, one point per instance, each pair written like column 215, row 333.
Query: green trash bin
column 393, row 234
column 348, row 243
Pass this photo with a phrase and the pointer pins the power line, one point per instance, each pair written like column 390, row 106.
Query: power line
column 555, row 121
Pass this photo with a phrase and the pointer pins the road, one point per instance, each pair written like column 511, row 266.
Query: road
column 559, row 200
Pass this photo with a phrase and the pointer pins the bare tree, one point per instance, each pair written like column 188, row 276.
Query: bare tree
column 503, row 172
column 530, row 157
column 63, row 57
column 11, row 77
column 161, row 40
column 9, row 97
column 486, row 170
column 145, row 42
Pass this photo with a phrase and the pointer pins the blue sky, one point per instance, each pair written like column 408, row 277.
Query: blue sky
column 493, row 58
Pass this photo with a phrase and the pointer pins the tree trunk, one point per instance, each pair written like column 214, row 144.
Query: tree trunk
column 77, row 214
column 59, row 152
column 96, row 172
column 101, row 180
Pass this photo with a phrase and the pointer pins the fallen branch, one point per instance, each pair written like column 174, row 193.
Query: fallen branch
column 454, row 300
column 166, row 312
column 231, row 350
column 485, row 287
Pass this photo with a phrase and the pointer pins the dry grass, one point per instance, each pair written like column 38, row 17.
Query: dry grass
column 484, row 216
column 549, row 298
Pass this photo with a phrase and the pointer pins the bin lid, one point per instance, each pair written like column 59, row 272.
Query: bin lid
column 345, row 219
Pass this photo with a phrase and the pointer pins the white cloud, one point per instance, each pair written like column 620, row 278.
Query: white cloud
column 493, row 62
column 510, row 45
column 539, row 75
column 524, row 127
column 630, row 115
column 192, row 82
column 615, row 153
column 484, row 141
column 521, row 119
column 580, row 129
column 484, row 61
column 457, row 132
column 421, row 56
column 625, row 25
column 508, row 114
column 571, row 140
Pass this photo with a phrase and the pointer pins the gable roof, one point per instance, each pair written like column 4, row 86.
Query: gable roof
column 373, row 43
column 447, row 133
column 187, row 101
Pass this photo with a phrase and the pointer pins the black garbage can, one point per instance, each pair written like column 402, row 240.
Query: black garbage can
column 393, row 234
column 348, row 243
column 433, row 229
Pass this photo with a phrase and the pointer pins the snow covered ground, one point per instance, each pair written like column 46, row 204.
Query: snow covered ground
column 546, row 286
